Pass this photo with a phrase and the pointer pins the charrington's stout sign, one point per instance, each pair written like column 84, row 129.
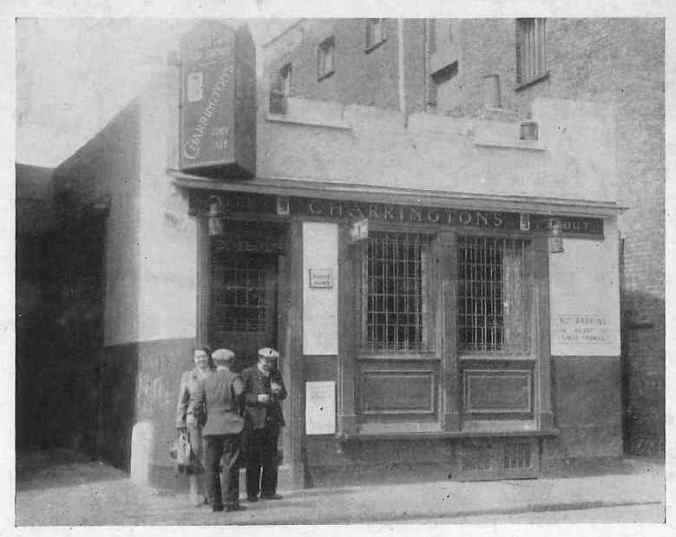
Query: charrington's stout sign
column 237, row 203
column 217, row 128
column 411, row 214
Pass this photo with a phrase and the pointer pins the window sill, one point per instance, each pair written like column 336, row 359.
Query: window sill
column 496, row 357
column 532, row 81
column 524, row 144
column 398, row 356
column 371, row 48
column 359, row 437
column 325, row 76
column 285, row 118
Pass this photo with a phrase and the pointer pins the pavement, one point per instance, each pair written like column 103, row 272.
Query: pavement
column 58, row 490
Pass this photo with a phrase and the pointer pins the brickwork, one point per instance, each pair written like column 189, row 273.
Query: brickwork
column 369, row 78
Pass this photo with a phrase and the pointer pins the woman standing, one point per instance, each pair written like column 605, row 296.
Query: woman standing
column 188, row 421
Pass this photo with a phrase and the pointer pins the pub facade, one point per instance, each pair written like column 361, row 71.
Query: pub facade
column 443, row 291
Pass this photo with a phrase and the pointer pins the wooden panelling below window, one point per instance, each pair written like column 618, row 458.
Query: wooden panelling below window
column 497, row 391
column 398, row 392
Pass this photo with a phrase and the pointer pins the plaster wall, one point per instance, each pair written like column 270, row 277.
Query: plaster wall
column 167, row 233
column 370, row 146
column 320, row 304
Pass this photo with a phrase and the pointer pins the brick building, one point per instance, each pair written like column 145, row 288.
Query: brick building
column 443, row 288
column 497, row 68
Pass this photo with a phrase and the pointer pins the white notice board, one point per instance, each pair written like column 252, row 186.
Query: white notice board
column 320, row 407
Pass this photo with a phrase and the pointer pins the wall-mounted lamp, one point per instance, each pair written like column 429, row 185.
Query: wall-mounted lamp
column 283, row 208
column 215, row 216
column 524, row 222
column 555, row 239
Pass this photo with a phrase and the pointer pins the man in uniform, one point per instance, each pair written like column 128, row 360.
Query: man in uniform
column 263, row 391
column 220, row 398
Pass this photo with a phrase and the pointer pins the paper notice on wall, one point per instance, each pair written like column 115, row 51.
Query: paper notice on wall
column 584, row 328
column 320, row 407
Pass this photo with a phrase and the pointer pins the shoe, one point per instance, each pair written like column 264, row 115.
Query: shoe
column 252, row 499
column 237, row 507
column 271, row 497
column 217, row 508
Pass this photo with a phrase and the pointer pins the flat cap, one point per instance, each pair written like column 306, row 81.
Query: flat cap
column 268, row 353
column 222, row 355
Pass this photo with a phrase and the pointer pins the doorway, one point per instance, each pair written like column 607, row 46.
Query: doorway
column 244, row 289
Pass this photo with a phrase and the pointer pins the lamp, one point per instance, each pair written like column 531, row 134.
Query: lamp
column 215, row 213
column 555, row 240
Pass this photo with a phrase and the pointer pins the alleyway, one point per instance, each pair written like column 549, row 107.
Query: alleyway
column 61, row 488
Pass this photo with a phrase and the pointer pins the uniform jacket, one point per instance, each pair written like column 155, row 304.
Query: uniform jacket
column 190, row 382
column 256, row 383
column 220, row 400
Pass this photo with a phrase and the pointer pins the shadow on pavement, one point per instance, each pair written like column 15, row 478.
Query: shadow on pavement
column 44, row 469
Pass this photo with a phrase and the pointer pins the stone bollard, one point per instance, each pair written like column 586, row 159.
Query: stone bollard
column 141, row 452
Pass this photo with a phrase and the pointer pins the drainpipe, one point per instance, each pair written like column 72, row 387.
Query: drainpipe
column 402, row 74
column 426, row 66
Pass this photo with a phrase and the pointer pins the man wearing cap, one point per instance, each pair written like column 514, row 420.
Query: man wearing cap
column 263, row 391
column 220, row 398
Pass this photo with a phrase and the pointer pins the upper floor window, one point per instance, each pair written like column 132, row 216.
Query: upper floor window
column 325, row 58
column 375, row 33
column 280, row 90
column 530, row 50
column 285, row 79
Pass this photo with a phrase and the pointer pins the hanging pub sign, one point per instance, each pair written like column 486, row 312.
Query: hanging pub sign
column 218, row 101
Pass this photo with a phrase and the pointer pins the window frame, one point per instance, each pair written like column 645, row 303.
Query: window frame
column 325, row 49
column 427, row 344
column 531, row 57
column 285, row 76
column 371, row 43
column 280, row 89
column 529, row 350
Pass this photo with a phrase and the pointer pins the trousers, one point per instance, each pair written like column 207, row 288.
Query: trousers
column 261, row 461
column 222, row 449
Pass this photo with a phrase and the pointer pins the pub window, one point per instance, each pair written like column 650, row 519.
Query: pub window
column 325, row 58
column 530, row 50
column 395, row 301
column 493, row 298
column 375, row 33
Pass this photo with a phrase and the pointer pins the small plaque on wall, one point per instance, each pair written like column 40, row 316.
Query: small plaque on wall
column 320, row 407
column 321, row 278
column 584, row 328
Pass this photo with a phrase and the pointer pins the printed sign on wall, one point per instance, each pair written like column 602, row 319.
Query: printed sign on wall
column 321, row 278
column 589, row 329
column 320, row 407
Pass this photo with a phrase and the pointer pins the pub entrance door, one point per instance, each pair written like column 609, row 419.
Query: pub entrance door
column 244, row 288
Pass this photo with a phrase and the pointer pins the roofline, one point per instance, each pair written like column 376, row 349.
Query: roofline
column 283, row 32
column 285, row 186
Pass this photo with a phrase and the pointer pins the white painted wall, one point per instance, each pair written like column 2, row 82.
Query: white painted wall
column 575, row 158
column 320, row 305
column 585, row 296
column 167, row 233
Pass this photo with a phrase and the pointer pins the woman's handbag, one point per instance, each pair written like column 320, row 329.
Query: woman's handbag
column 181, row 450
